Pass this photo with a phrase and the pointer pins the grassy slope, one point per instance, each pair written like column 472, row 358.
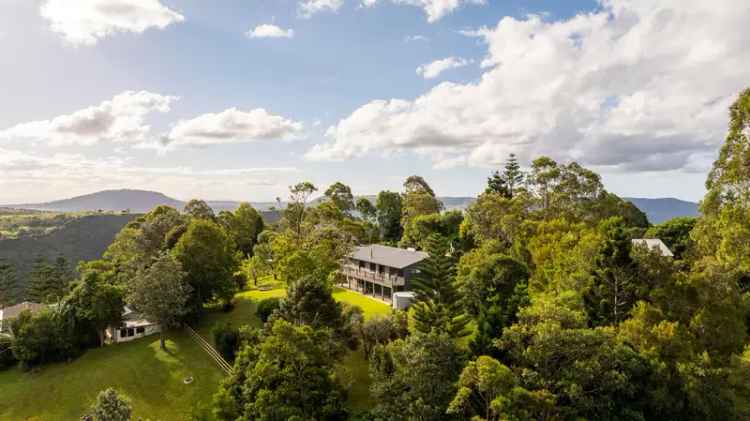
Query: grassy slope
column 354, row 368
column 152, row 378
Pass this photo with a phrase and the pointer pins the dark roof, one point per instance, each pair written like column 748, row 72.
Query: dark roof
column 388, row 256
column 13, row 311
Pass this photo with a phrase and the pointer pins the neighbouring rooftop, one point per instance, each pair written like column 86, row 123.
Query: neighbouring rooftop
column 12, row 312
column 388, row 256
column 654, row 243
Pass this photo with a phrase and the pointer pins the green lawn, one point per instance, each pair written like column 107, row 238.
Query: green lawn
column 151, row 377
column 354, row 368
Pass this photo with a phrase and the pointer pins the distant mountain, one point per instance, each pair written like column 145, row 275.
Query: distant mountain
column 664, row 209
column 134, row 201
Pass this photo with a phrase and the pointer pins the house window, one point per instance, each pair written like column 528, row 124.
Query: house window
column 123, row 333
column 131, row 331
column 140, row 330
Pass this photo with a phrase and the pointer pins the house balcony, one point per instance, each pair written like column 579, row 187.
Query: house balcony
column 381, row 278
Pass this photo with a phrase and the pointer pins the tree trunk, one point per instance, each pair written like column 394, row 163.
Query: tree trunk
column 161, row 341
column 101, row 338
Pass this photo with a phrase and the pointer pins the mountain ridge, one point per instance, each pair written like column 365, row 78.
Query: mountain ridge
column 140, row 201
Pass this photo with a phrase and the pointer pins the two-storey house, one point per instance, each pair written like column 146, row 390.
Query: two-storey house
column 380, row 271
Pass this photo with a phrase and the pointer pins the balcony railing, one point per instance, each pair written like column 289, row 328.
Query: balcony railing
column 386, row 279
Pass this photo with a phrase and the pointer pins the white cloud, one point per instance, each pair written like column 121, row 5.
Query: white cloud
column 121, row 119
column 307, row 8
column 270, row 31
column 413, row 38
column 85, row 22
column 232, row 126
column 434, row 69
column 434, row 9
column 637, row 85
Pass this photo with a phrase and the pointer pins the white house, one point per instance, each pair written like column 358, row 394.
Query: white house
column 653, row 244
column 134, row 326
column 8, row 314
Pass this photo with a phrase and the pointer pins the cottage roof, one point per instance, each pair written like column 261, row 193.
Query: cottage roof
column 12, row 312
column 654, row 243
column 388, row 256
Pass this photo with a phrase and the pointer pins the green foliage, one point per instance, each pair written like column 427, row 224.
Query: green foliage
column 41, row 338
column 96, row 303
column 161, row 293
column 7, row 359
column 366, row 209
column 111, row 406
column 389, row 207
column 615, row 287
column 243, row 226
column 414, row 378
column 285, row 374
column 489, row 390
column 437, row 303
column 561, row 357
column 382, row 330
column 494, row 287
column 227, row 340
column 206, row 254
column 341, row 196
column 675, row 233
column 49, row 283
column 266, row 307
column 199, row 209
column 418, row 199
column 509, row 181
column 10, row 287
column 446, row 224
column 309, row 301
column 495, row 217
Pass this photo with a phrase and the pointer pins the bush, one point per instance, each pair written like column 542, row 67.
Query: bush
column 6, row 354
column 227, row 340
column 266, row 308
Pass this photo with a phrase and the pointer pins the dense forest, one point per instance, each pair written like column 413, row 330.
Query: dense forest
column 534, row 303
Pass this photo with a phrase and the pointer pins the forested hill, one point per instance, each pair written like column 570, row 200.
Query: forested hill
column 83, row 238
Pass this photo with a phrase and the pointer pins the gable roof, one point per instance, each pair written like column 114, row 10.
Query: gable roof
column 653, row 243
column 388, row 256
column 12, row 312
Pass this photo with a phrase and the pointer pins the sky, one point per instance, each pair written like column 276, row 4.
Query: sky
column 238, row 99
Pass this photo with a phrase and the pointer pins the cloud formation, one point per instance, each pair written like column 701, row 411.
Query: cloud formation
column 270, row 31
column 614, row 88
column 434, row 9
column 85, row 22
column 232, row 126
column 434, row 69
column 121, row 119
column 308, row 8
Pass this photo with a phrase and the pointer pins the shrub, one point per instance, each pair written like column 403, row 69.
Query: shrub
column 266, row 308
column 227, row 340
column 6, row 354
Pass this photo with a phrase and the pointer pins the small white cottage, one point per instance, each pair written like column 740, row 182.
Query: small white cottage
column 134, row 326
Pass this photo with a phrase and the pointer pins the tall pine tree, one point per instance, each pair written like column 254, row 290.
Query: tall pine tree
column 9, row 285
column 437, row 302
column 49, row 283
column 507, row 182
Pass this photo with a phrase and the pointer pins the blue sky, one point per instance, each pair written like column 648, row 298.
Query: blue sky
column 176, row 96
